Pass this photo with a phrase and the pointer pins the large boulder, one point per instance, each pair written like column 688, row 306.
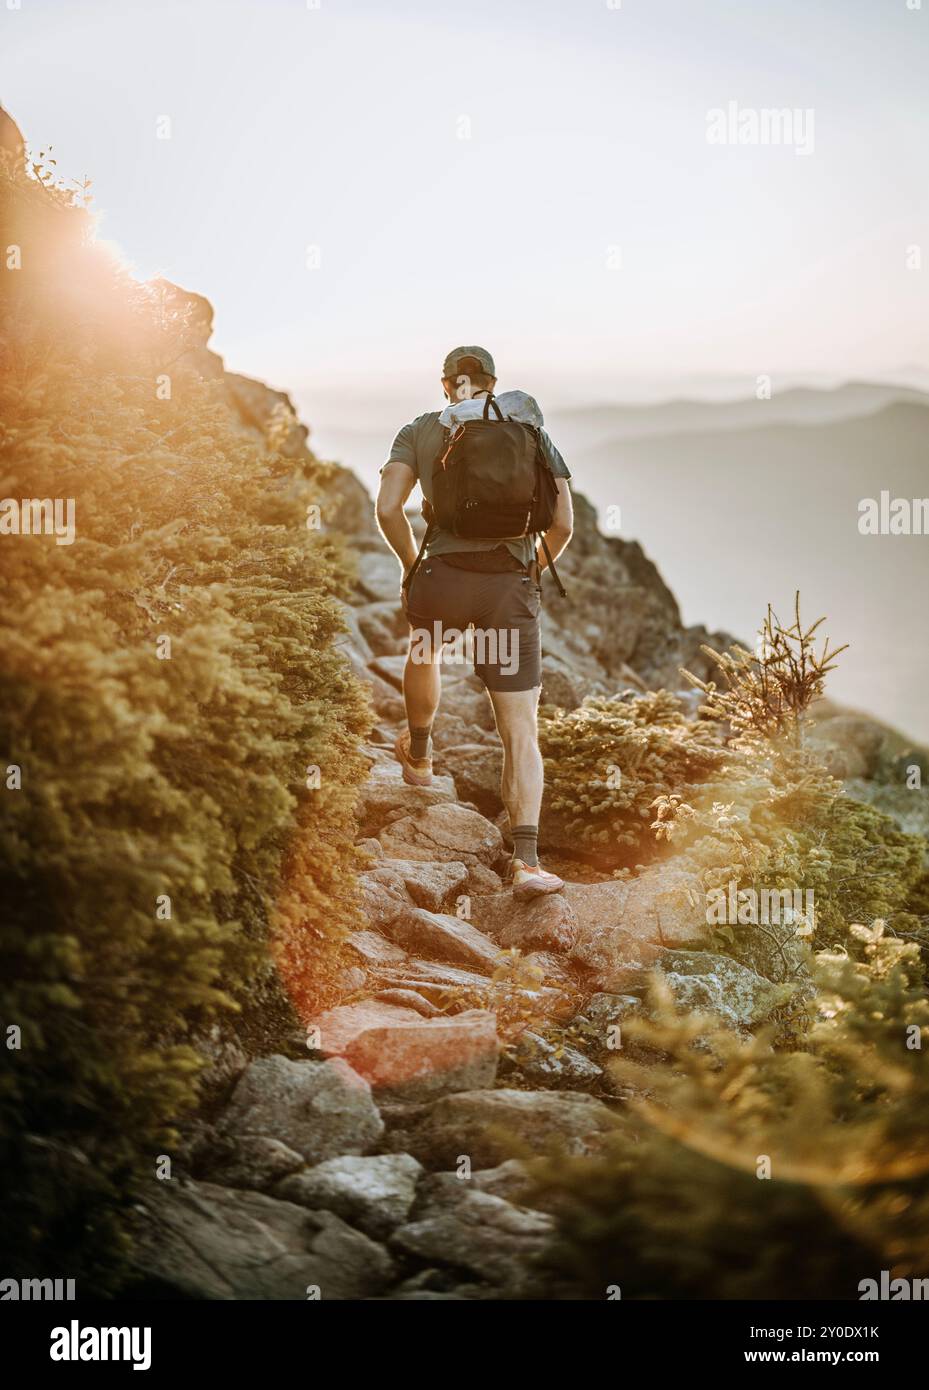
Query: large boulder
column 318, row 1109
column 488, row 1127
column 373, row 1194
column 561, row 685
column 444, row 832
column 201, row 1241
column 374, row 950
column 851, row 745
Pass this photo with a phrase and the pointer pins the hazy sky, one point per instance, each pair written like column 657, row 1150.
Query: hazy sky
column 340, row 128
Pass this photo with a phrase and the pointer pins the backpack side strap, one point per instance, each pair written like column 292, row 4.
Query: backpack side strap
column 430, row 529
column 551, row 565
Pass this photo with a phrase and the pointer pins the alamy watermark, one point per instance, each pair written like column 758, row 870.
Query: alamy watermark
column 36, row 1290
column 896, row 1290
column 482, row 646
column 744, row 907
column 733, row 124
column 38, row 516
column 893, row 516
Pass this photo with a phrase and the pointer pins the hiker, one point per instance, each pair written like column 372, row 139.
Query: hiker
column 498, row 508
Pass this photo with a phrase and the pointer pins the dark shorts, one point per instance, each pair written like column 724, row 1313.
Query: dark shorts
column 491, row 620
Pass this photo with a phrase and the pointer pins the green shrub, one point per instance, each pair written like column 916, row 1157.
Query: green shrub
column 141, row 777
column 606, row 762
column 742, row 1171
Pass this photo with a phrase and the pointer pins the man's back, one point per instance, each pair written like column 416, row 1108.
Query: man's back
column 419, row 444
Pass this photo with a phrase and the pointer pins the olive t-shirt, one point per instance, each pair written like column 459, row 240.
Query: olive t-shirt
column 419, row 444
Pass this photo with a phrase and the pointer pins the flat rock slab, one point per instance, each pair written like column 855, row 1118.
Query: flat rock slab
column 429, row 1057
column 546, row 923
column 339, row 1027
column 442, row 937
column 318, row 1109
column 209, row 1242
column 385, row 796
column 625, row 924
column 489, row 1127
column 444, row 832
column 373, row 1194
column 374, row 949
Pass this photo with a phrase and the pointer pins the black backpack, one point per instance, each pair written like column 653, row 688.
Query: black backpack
column 492, row 481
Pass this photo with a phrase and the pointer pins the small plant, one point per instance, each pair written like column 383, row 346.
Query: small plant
column 768, row 693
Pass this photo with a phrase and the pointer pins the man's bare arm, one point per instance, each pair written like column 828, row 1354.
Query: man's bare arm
column 397, row 482
column 562, row 527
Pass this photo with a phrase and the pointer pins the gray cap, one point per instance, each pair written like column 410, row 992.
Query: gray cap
column 450, row 367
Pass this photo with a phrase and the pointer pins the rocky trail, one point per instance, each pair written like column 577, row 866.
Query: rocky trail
column 384, row 1157
column 474, row 1032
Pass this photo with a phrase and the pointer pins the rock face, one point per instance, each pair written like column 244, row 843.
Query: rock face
column 444, row 832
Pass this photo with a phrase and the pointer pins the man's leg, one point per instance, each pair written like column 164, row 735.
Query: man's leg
column 422, row 690
column 521, row 786
column 422, row 686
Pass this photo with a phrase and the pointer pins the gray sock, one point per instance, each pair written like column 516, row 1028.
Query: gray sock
column 524, row 844
column 419, row 741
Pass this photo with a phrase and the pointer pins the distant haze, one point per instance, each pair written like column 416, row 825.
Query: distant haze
column 742, row 502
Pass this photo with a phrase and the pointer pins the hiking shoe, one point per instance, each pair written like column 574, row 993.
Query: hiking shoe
column 531, row 880
column 417, row 772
